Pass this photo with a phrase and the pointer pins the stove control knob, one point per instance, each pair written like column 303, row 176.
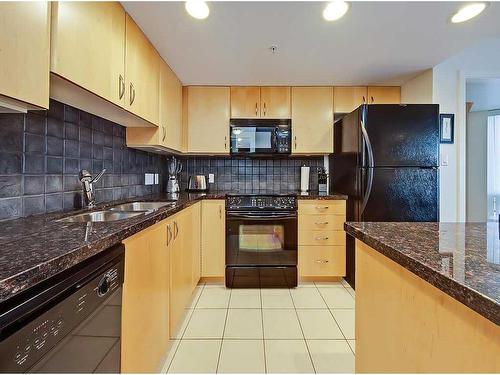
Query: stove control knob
column 104, row 285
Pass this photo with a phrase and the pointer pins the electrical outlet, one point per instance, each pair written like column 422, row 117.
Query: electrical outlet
column 444, row 160
column 211, row 178
column 149, row 179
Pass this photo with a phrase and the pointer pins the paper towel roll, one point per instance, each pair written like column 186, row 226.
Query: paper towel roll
column 304, row 178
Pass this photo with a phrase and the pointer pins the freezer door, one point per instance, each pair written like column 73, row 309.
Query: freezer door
column 403, row 135
column 400, row 194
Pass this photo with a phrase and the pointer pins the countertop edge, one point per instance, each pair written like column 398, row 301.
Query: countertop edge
column 474, row 300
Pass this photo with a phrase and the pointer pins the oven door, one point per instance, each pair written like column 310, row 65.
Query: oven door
column 253, row 140
column 261, row 238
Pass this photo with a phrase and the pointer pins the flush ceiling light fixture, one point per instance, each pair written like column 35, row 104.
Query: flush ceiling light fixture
column 197, row 9
column 335, row 9
column 468, row 12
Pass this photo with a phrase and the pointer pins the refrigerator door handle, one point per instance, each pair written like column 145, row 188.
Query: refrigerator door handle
column 370, row 161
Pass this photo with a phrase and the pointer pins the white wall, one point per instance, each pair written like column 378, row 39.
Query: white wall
column 418, row 90
column 448, row 86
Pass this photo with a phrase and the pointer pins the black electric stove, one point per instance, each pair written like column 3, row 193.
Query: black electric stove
column 261, row 241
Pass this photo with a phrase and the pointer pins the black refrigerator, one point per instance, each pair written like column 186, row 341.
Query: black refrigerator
column 386, row 159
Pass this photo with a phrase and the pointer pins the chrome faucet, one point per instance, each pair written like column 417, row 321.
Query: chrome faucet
column 87, row 181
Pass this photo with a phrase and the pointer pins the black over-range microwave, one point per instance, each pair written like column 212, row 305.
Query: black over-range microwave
column 260, row 136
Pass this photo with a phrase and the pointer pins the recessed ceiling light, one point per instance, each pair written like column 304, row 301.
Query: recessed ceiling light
column 468, row 12
column 335, row 9
column 197, row 9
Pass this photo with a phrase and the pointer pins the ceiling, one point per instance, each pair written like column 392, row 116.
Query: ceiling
column 375, row 43
column 483, row 93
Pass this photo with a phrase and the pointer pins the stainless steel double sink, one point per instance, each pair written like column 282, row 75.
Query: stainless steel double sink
column 115, row 213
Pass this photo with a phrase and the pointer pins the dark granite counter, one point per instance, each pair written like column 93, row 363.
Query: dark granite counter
column 35, row 248
column 461, row 259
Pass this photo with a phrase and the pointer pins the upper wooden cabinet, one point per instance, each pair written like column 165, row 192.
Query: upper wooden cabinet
column 260, row 102
column 24, row 54
column 142, row 73
column 207, row 114
column 312, row 120
column 347, row 99
column 88, row 46
column 274, row 102
column 245, row 102
column 384, row 95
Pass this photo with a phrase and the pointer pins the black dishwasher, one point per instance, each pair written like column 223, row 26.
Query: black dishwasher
column 70, row 323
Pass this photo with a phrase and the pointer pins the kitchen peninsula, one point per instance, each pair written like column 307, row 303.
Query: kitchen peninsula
column 427, row 297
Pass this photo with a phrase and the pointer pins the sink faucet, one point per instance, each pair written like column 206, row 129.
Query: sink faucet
column 87, row 181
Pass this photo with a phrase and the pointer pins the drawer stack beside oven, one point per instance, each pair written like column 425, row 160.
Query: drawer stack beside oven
column 321, row 238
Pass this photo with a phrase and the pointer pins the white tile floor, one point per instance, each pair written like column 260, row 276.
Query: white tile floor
column 309, row 329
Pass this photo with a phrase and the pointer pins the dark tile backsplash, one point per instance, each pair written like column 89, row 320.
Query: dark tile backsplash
column 41, row 154
column 247, row 174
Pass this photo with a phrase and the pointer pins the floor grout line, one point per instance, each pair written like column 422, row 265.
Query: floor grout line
column 302, row 330
column 223, row 330
column 263, row 335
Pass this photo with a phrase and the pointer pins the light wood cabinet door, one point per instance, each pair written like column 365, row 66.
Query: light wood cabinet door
column 275, row 102
column 322, row 261
column 145, row 311
column 88, row 46
column 170, row 108
column 142, row 74
column 213, row 238
column 347, row 99
column 208, row 111
column 384, row 95
column 245, row 102
column 195, row 234
column 312, row 120
column 25, row 51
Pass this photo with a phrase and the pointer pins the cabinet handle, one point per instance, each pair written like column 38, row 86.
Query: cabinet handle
column 164, row 133
column 176, row 230
column 364, row 100
column 322, row 261
column 225, row 142
column 322, row 207
column 264, row 108
column 121, row 89
column 169, row 234
column 220, row 212
column 132, row 93
column 256, row 109
column 295, row 141
column 372, row 100
column 321, row 238
column 321, row 223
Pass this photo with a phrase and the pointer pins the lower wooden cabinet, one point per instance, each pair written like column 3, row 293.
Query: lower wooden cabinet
column 145, row 305
column 321, row 238
column 213, row 238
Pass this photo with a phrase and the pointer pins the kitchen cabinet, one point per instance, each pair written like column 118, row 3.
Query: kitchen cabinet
column 195, row 238
column 260, row 102
column 321, row 238
column 142, row 73
column 213, row 238
column 275, row 102
column 145, row 312
column 384, row 95
column 346, row 99
column 207, row 113
column 245, row 102
column 24, row 55
column 168, row 134
column 312, row 120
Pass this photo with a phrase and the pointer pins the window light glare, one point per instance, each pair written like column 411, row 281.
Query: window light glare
column 197, row 9
column 335, row 9
column 468, row 12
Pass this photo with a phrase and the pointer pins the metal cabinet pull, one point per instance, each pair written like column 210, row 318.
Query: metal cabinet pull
column 322, row 261
column 322, row 207
column 164, row 132
column 321, row 238
column 295, row 141
column 364, row 100
column 321, row 223
column 220, row 212
column 264, row 108
column 132, row 93
column 225, row 142
column 176, row 230
column 169, row 234
column 121, row 88
column 372, row 100
column 256, row 108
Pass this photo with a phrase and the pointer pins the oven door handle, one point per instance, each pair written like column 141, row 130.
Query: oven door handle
column 261, row 216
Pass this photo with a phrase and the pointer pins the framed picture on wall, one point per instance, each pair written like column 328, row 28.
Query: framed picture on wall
column 446, row 127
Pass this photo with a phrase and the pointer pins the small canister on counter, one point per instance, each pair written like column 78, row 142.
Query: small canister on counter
column 322, row 180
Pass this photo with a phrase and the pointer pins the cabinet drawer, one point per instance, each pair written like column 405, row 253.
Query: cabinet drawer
column 321, row 222
column 309, row 237
column 322, row 260
column 322, row 207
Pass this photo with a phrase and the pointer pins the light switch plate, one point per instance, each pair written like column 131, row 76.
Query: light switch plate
column 149, row 179
column 211, row 178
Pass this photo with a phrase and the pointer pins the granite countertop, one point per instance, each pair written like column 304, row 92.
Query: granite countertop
column 461, row 259
column 36, row 248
